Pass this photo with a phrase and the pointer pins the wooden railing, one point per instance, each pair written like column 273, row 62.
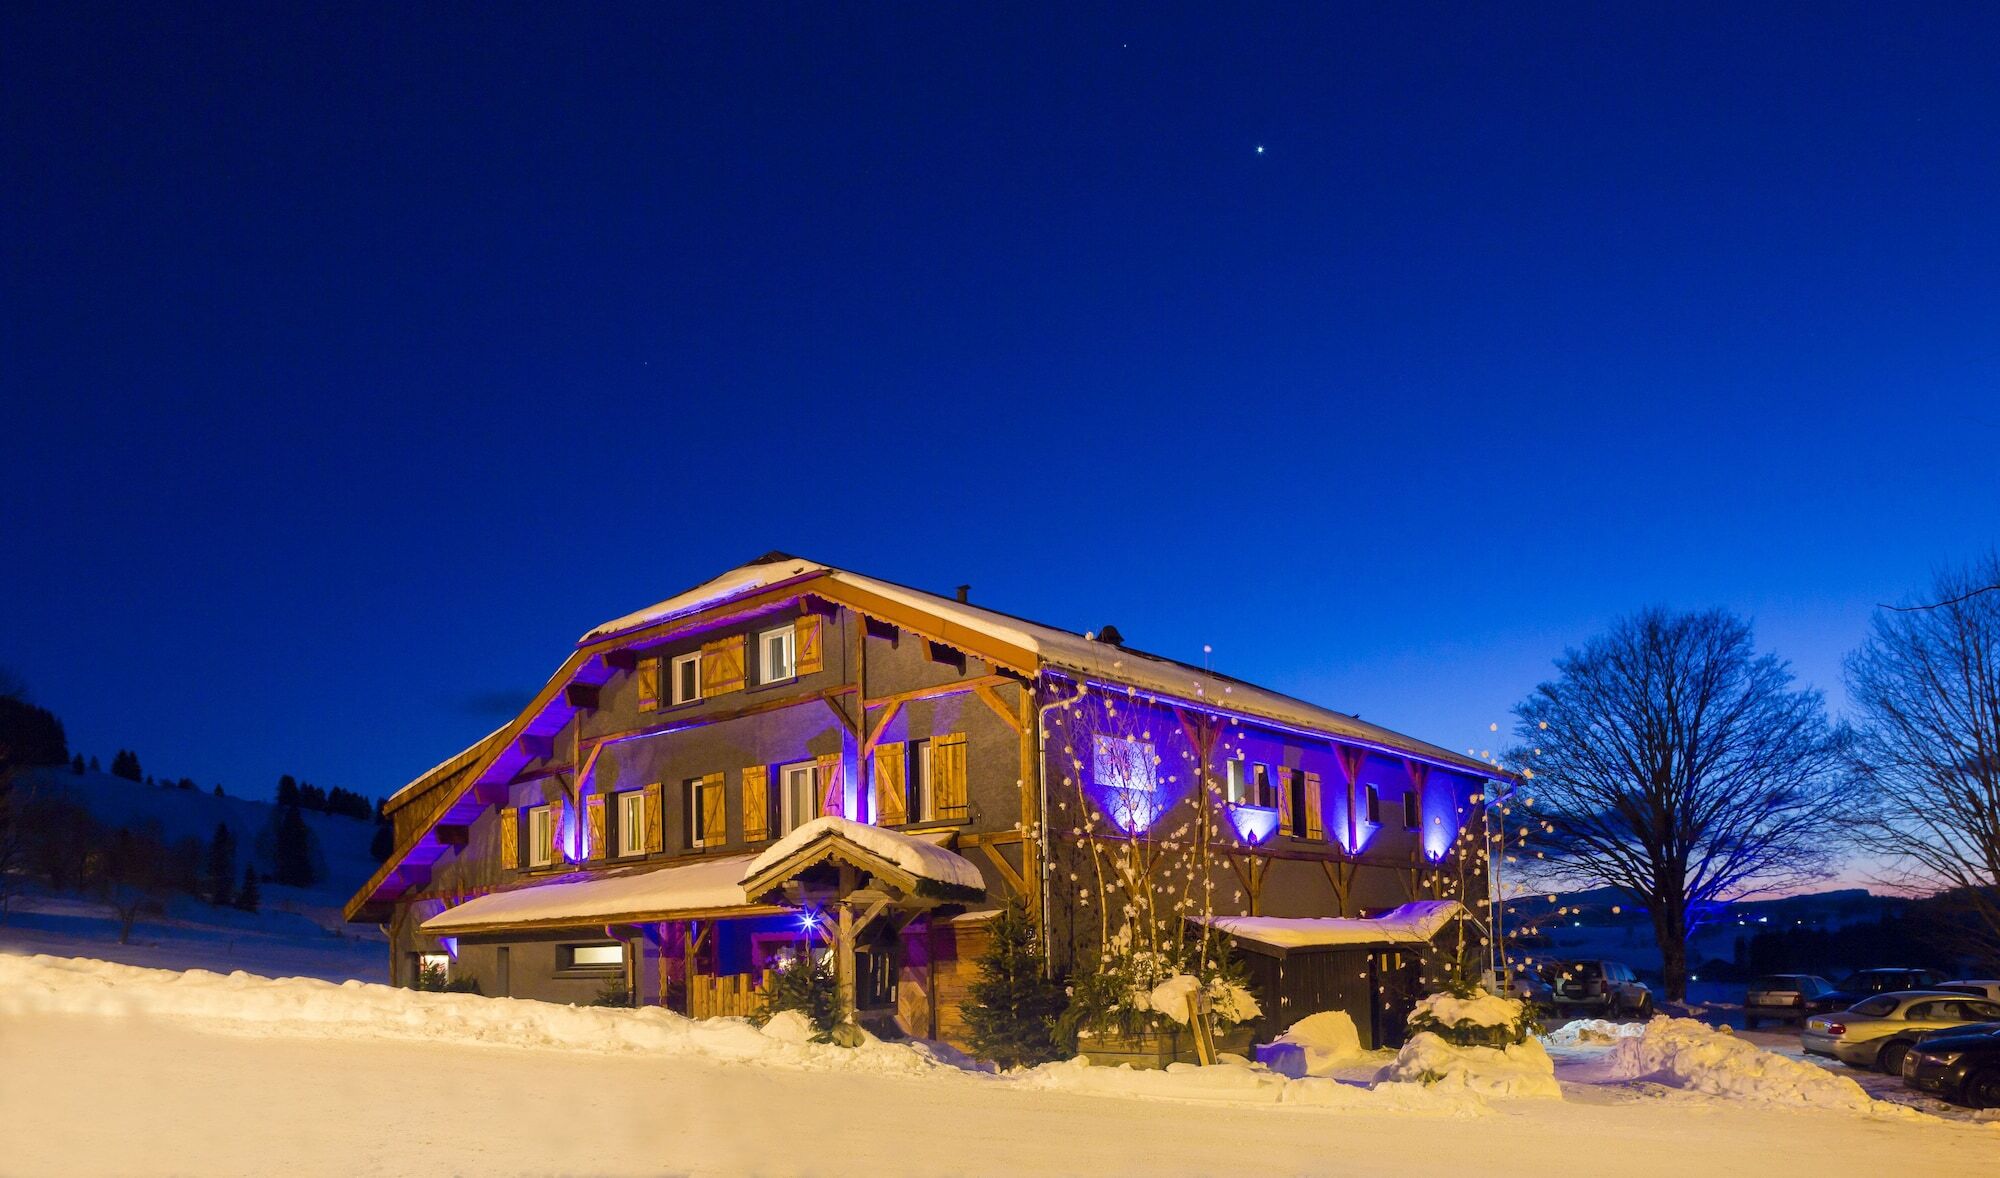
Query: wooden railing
column 737, row 993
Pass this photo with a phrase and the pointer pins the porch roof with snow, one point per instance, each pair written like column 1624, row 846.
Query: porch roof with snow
column 1414, row 923
column 688, row 891
column 913, row 865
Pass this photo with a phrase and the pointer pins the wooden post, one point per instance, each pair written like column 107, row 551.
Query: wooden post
column 930, row 969
column 843, row 963
column 1204, row 1035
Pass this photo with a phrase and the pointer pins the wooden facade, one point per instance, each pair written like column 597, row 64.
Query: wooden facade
column 701, row 733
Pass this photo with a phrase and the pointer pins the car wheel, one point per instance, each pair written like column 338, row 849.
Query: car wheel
column 1749, row 1022
column 1645, row 1007
column 1890, row 1058
column 1982, row 1088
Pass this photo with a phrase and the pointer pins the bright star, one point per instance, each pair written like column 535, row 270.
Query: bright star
column 1260, row 149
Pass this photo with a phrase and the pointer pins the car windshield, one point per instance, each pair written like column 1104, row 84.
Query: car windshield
column 1875, row 1007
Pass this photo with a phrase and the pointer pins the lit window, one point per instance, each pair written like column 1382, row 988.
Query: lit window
column 632, row 822
column 687, row 678
column 1261, row 793
column 541, row 837
column 1236, row 785
column 593, row 957
column 433, row 970
column 923, row 806
column 1128, row 773
column 774, row 655
column 799, row 797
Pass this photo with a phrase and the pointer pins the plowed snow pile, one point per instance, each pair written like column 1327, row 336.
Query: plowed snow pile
column 1524, row 1069
column 242, row 1003
column 1687, row 1054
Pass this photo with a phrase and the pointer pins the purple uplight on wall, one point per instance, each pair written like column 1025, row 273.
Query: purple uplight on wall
column 1127, row 775
column 1253, row 823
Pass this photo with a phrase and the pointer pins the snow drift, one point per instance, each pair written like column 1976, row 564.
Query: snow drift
column 1683, row 1053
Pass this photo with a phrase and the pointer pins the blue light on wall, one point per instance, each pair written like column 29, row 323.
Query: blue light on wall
column 1253, row 823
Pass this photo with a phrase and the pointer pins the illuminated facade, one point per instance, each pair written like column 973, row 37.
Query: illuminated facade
column 616, row 839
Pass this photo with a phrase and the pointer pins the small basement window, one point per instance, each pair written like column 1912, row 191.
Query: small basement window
column 774, row 655
column 591, row 958
column 687, row 678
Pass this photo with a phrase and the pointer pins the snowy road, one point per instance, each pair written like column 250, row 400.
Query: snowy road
column 112, row 1083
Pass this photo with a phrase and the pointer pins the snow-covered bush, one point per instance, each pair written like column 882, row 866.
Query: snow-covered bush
column 1519, row 1069
column 1135, row 990
column 1466, row 1017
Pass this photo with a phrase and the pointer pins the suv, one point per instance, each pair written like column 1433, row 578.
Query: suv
column 1866, row 983
column 1607, row 987
column 1781, row 997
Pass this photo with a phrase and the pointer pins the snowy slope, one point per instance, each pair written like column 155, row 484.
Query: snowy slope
column 298, row 931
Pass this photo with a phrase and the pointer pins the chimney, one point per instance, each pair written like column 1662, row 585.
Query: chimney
column 964, row 594
column 1111, row 635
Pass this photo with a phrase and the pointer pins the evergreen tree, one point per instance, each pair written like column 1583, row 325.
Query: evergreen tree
column 1011, row 1017
column 34, row 734
column 288, row 790
column 246, row 896
column 383, row 843
column 76, row 765
column 221, row 864
column 218, row 789
column 294, row 849
column 124, row 764
column 94, row 766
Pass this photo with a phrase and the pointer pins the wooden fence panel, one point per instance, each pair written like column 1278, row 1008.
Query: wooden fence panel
column 710, row 996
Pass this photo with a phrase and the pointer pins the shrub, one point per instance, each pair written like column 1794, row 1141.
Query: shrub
column 804, row 984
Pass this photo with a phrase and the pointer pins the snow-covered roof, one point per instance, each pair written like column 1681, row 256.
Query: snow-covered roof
column 1410, row 924
column 451, row 764
column 603, row 897
column 917, row 856
column 1061, row 649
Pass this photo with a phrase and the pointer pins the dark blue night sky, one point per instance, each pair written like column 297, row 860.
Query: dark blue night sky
column 355, row 363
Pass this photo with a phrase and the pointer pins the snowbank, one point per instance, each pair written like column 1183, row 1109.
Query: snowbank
column 921, row 859
column 1244, row 1083
column 1484, row 1010
column 1524, row 1069
column 1316, row 1045
column 1590, row 1030
column 243, row 1003
column 1683, row 1053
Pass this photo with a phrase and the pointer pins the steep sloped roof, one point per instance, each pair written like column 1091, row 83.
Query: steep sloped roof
column 1063, row 650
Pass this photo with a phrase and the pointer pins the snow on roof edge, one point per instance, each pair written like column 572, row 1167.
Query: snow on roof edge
column 1407, row 924
column 919, row 857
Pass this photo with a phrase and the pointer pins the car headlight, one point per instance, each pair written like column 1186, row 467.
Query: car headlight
column 1943, row 1058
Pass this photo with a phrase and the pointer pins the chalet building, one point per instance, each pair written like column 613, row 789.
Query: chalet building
column 793, row 757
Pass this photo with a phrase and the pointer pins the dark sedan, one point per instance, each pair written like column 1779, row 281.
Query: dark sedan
column 1961, row 1065
column 1866, row 983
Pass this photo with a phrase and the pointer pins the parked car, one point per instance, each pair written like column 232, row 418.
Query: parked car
column 1524, row 984
column 1986, row 988
column 1877, row 1032
column 1781, row 997
column 1607, row 988
column 1865, row 983
column 1961, row 1065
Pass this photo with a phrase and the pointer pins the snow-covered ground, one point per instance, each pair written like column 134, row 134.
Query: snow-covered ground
column 123, row 1070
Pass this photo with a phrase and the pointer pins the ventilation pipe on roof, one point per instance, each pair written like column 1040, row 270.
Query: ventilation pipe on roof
column 964, row 594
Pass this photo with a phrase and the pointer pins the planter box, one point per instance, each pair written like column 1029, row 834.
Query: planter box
column 1157, row 1049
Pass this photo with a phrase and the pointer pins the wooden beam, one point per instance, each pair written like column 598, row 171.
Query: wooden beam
column 957, row 687
column 991, row 699
column 881, row 726
column 453, row 834
column 1005, row 868
column 622, row 660
column 946, row 654
column 582, row 696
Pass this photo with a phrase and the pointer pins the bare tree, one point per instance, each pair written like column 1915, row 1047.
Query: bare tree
column 1682, row 767
column 1927, row 688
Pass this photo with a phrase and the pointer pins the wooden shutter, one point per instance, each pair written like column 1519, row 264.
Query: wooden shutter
column 756, row 803
column 714, row 812
column 1283, row 782
column 1315, row 825
column 892, row 786
column 510, row 839
column 649, row 684
column 948, row 774
column 722, row 665
column 593, row 810
column 806, row 656
column 656, row 820
column 555, row 831
column 836, row 789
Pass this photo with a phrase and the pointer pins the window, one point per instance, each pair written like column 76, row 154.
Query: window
column 1237, row 783
column 1374, row 806
column 705, row 812
column 541, row 837
column 923, row 804
column 774, row 655
column 1128, row 773
column 1261, row 793
column 1875, row 1007
column 431, row 970
column 687, row 678
column 591, row 958
column 632, row 822
column 798, row 796
column 1413, row 817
